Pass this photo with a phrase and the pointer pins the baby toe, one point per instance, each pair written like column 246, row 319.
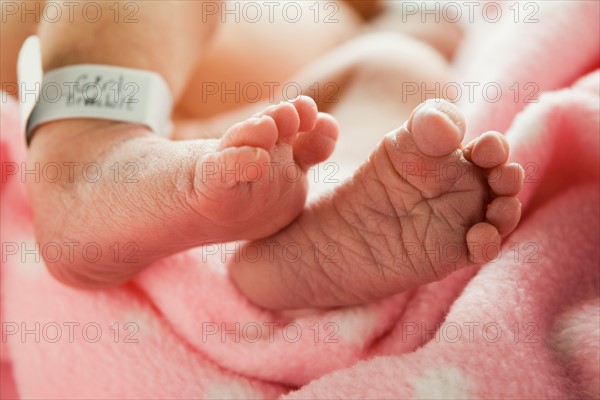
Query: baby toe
column 438, row 127
column 506, row 180
column 307, row 111
column 286, row 118
column 483, row 242
column 488, row 150
column 317, row 144
column 256, row 132
column 504, row 213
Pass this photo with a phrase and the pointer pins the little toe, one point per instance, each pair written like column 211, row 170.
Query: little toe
column 258, row 131
column 488, row 150
column 506, row 180
column 437, row 126
column 286, row 118
column 317, row 144
column 308, row 112
column 483, row 242
column 504, row 213
column 230, row 166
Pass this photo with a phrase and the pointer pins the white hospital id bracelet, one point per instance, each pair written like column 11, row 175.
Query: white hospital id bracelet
column 103, row 92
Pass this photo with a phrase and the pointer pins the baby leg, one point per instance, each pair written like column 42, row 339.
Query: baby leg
column 147, row 197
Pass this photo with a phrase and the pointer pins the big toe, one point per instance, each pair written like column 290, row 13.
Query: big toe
column 437, row 126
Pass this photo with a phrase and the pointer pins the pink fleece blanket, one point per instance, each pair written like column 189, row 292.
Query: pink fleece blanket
column 523, row 326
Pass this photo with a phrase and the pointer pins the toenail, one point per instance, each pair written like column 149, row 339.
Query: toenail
column 435, row 133
column 447, row 110
column 454, row 115
column 446, row 116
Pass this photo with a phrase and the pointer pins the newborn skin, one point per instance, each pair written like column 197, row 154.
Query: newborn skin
column 181, row 194
column 420, row 208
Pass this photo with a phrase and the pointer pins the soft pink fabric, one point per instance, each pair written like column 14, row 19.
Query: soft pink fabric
column 524, row 326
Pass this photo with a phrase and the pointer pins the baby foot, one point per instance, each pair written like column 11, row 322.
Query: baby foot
column 172, row 195
column 254, row 182
column 420, row 208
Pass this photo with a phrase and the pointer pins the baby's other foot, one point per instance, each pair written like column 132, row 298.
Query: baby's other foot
column 420, row 208
column 254, row 182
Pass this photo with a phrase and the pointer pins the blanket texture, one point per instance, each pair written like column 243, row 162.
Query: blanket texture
column 523, row 326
